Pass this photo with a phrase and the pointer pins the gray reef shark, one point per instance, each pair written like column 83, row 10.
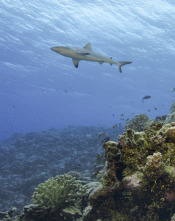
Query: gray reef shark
column 86, row 53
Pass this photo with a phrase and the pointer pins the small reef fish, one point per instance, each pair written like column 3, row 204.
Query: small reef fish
column 101, row 135
column 155, row 108
column 102, row 141
column 114, row 126
column 173, row 89
column 97, row 172
column 121, row 115
column 172, row 117
column 106, row 139
column 146, row 97
column 127, row 119
column 100, row 158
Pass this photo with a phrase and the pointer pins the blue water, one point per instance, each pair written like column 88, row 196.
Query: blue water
column 40, row 89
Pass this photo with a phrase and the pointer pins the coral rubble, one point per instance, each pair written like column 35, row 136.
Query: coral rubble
column 30, row 159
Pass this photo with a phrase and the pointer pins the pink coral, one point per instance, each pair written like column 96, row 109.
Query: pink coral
column 122, row 143
column 133, row 181
column 170, row 195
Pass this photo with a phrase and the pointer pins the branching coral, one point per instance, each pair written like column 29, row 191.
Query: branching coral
column 59, row 192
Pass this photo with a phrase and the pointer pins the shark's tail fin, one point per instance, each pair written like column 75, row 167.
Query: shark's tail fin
column 121, row 63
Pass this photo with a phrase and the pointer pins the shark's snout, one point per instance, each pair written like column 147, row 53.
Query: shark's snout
column 58, row 49
column 53, row 48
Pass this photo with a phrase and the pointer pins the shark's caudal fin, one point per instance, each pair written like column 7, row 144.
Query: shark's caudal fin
column 121, row 63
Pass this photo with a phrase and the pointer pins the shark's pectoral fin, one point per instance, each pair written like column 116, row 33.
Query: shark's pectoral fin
column 88, row 47
column 75, row 62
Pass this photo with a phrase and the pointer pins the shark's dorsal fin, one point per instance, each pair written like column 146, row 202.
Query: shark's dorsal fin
column 88, row 47
column 75, row 62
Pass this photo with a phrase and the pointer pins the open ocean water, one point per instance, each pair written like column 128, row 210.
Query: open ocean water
column 40, row 89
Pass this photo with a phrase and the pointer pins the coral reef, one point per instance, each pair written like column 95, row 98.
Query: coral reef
column 137, row 182
column 139, row 179
column 139, row 122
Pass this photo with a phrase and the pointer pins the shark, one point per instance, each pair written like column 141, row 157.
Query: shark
column 87, row 54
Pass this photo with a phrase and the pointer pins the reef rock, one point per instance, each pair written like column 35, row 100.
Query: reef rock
column 170, row 133
column 7, row 216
